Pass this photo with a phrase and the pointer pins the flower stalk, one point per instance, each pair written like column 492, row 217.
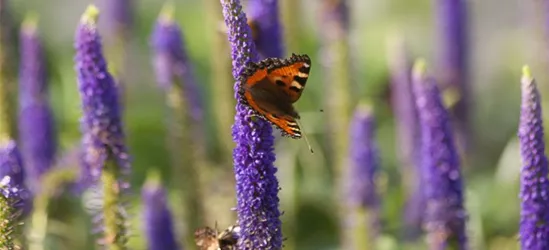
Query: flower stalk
column 534, row 184
column 175, row 76
column 451, row 20
column 336, row 64
column 104, row 153
column 362, row 200
column 36, row 123
column 408, row 135
column 52, row 182
column 256, row 183
column 445, row 214
column 157, row 216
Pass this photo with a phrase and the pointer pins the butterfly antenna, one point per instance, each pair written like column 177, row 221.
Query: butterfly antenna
column 305, row 136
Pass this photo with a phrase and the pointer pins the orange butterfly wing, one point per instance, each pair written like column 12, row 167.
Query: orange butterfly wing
column 280, row 84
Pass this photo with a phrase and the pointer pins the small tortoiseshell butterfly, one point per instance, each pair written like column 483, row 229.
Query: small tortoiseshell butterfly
column 207, row 238
column 271, row 86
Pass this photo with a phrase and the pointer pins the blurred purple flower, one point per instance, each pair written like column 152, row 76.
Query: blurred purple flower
column 445, row 215
column 408, row 134
column 256, row 183
column 101, row 123
column 362, row 173
column 335, row 14
column 453, row 56
column 157, row 216
column 118, row 15
column 361, row 191
column 534, row 185
column 268, row 36
column 36, row 122
column 171, row 62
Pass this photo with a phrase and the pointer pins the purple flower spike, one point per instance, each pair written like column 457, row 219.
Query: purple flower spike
column 264, row 17
column 453, row 56
column 11, row 163
column 171, row 61
column 157, row 216
column 364, row 160
column 408, row 139
column 101, row 124
column 36, row 124
column 445, row 215
column 256, row 183
column 534, row 186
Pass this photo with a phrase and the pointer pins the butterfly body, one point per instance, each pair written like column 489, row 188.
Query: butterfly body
column 271, row 87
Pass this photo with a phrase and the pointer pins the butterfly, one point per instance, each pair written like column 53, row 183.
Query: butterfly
column 207, row 238
column 271, row 86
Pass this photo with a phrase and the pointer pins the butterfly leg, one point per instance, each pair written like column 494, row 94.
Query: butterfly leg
column 254, row 117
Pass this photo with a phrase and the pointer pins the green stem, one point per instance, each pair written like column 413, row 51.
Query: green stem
column 186, row 160
column 51, row 182
column 222, row 80
column 340, row 101
column 115, row 237
column 359, row 230
column 8, row 64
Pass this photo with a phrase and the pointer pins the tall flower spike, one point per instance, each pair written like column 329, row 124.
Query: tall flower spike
column 36, row 124
column 534, row 186
column 452, row 58
column 158, row 225
column 171, row 62
column 445, row 214
column 184, row 117
column 408, row 136
column 10, row 202
column 104, row 151
column 256, row 183
column 101, row 123
column 362, row 196
column 264, row 17
column 335, row 63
